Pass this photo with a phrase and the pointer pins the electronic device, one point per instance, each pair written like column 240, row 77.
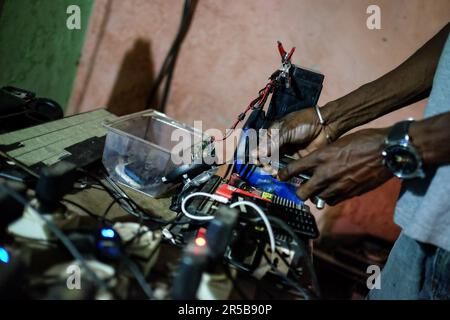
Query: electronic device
column 20, row 108
column 399, row 154
column 300, row 90
column 205, row 206
column 297, row 217
column 220, row 230
column 204, row 252
column 104, row 243
column 260, row 179
column 12, row 273
column 249, row 240
column 54, row 182
column 193, row 263
column 11, row 210
column 293, row 89
column 78, row 139
column 185, row 171
column 143, row 248
column 227, row 191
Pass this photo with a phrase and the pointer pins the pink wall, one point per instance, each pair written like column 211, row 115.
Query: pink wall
column 230, row 51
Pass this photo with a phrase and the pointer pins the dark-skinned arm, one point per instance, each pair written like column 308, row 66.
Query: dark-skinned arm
column 353, row 165
column 431, row 137
column 408, row 83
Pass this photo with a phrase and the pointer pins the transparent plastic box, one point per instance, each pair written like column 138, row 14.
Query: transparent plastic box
column 138, row 150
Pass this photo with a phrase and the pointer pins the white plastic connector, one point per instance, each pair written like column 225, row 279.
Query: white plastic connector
column 215, row 197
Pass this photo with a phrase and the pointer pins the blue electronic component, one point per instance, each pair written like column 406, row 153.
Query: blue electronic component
column 4, row 256
column 109, row 244
column 108, row 233
column 260, row 179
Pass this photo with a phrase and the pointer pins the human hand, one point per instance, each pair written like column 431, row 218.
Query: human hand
column 346, row 168
column 299, row 133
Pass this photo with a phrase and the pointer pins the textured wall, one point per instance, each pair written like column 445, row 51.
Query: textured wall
column 37, row 51
column 230, row 51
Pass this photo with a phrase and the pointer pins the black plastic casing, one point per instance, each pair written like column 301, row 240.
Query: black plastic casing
column 302, row 92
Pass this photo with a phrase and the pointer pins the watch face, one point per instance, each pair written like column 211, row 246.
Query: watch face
column 400, row 160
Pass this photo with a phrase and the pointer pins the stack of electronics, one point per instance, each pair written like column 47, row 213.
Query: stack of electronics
column 271, row 229
column 243, row 222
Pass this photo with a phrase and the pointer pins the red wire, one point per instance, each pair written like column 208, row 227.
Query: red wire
column 260, row 101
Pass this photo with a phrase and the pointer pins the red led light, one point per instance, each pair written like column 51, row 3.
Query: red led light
column 200, row 241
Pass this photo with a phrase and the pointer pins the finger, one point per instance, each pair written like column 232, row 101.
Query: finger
column 330, row 196
column 303, row 165
column 272, row 143
column 337, row 192
column 270, row 169
column 309, row 189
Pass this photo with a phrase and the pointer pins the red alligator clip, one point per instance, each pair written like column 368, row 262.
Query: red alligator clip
column 285, row 57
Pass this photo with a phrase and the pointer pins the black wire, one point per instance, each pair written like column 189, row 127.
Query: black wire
column 300, row 244
column 138, row 210
column 90, row 213
column 235, row 284
column 129, row 201
column 138, row 276
column 171, row 68
column 188, row 12
column 139, row 232
column 105, row 213
column 293, row 284
column 74, row 251
column 166, row 92
column 168, row 66
column 294, row 273
column 59, row 234
column 168, row 62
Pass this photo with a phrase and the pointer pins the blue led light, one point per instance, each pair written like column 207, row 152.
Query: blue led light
column 4, row 255
column 108, row 233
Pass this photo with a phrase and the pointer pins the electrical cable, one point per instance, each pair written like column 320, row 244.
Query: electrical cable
column 224, row 200
column 257, row 103
column 84, row 209
column 309, row 265
column 74, row 251
column 188, row 11
column 294, row 273
column 105, row 213
column 201, row 194
column 289, row 281
column 59, row 234
column 138, row 276
column 235, row 284
column 263, row 217
column 133, row 208
column 169, row 63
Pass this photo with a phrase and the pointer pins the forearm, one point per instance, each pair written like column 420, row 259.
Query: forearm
column 431, row 137
column 406, row 84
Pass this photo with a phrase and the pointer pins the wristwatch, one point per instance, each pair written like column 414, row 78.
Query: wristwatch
column 399, row 154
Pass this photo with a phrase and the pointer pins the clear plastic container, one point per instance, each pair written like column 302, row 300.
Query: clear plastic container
column 138, row 150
